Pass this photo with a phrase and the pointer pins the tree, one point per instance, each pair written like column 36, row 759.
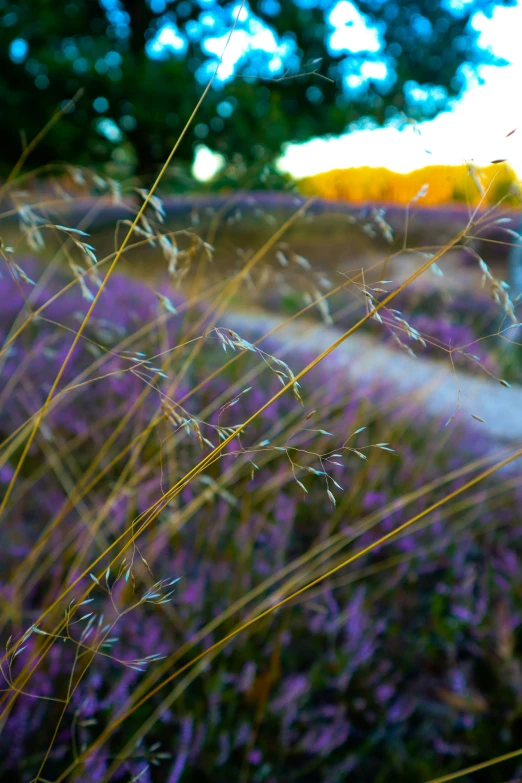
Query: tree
column 294, row 69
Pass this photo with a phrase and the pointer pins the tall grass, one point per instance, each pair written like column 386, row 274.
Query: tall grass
column 223, row 556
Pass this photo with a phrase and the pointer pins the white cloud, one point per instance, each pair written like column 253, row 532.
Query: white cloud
column 475, row 129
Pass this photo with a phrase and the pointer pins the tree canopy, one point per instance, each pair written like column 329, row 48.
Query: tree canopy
column 293, row 69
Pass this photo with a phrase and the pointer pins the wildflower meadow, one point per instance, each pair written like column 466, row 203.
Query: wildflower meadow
column 259, row 451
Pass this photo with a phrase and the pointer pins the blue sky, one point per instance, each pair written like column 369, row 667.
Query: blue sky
column 475, row 129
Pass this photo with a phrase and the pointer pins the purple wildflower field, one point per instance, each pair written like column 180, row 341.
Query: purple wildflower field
column 260, row 450
column 123, row 602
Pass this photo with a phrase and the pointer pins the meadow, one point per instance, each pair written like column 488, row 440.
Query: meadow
column 223, row 556
column 260, row 438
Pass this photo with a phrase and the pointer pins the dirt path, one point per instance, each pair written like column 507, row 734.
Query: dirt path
column 331, row 236
column 429, row 381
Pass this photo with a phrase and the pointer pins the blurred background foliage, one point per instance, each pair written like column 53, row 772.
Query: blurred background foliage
column 294, row 70
column 437, row 185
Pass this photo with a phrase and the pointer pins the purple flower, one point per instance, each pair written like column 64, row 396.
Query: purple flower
column 255, row 757
column 362, row 657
